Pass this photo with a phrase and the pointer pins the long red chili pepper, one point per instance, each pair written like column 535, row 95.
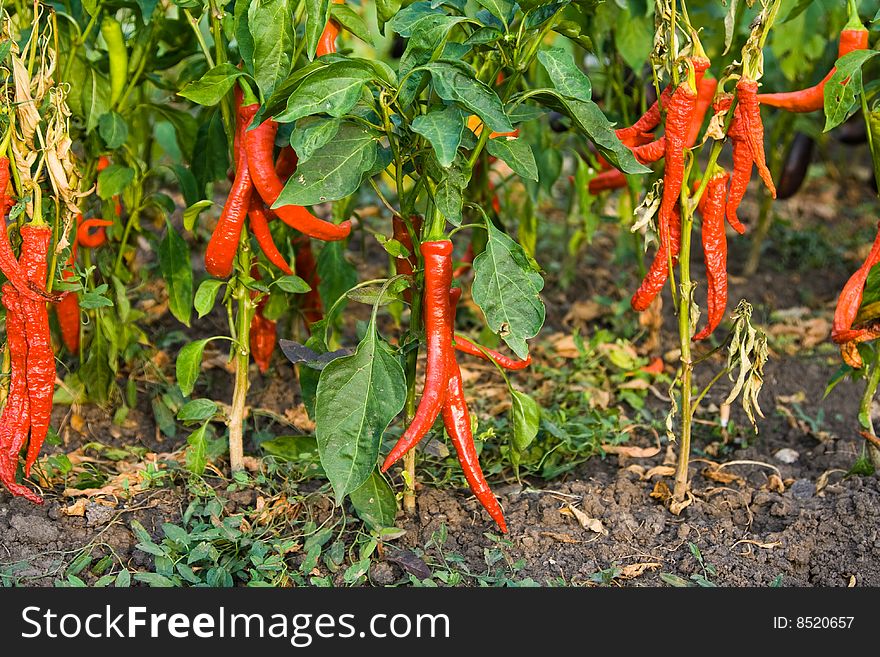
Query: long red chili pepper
column 457, row 421
column 8, row 264
column 847, row 309
column 223, row 245
column 307, row 269
column 258, row 145
column 658, row 272
column 327, row 42
column 437, row 256
column 812, row 98
column 36, row 239
column 15, row 420
column 464, row 345
column 651, row 119
column 705, row 93
column 714, row 238
column 259, row 223
column 611, row 179
column 88, row 239
column 750, row 112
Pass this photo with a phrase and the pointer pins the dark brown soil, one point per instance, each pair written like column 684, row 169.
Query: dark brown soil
column 753, row 520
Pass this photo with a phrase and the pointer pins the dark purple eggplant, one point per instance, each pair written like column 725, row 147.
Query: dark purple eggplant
column 852, row 132
column 797, row 161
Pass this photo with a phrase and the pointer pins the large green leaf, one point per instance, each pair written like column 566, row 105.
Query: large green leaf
column 311, row 134
column 517, row 154
column 332, row 90
column 458, row 84
column 525, row 419
column 375, row 502
column 335, row 171
column 357, row 398
column 841, row 89
column 212, row 86
column 634, row 39
column 113, row 180
column 350, row 20
column 271, row 25
column 210, row 153
column 337, row 275
column 317, row 14
column 565, row 75
column 507, row 288
column 113, row 129
column 589, row 119
column 385, row 11
column 197, row 450
column 243, row 35
column 501, row 9
column 443, row 128
column 188, row 365
column 176, row 266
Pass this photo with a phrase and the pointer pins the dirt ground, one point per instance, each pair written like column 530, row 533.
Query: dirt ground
column 758, row 517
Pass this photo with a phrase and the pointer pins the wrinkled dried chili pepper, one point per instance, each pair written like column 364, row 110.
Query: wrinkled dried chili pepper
column 714, row 238
column 15, row 420
column 611, row 179
column 10, row 267
column 259, row 143
column 36, row 239
column 437, row 256
column 812, row 99
column 658, row 272
column 848, row 303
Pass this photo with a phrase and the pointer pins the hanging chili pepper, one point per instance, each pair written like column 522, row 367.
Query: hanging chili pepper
column 258, row 145
column 89, row 240
column 658, row 272
column 848, row 303
column 327, row 42
column 611, row 179
column 223, row 245
column 651, row 119
column 15, row 420
column 711, row 207
column 705, row 93
column 753, row 128
column 437, row 256
column 36, row 239
column 117, row 53
column 263, row 333
column 8, row 264
column 464, row 345
column 307, row 269
column 812, row 99
column 259, row 223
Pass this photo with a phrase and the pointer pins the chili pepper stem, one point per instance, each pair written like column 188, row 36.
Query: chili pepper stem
column 873, row 381
column 687, row 366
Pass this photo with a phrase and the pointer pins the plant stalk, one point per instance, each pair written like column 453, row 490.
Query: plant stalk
column 244, row 317
column 687, row 365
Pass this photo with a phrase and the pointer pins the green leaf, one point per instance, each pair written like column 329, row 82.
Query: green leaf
column 501, row 9
column 565, row 75
column 154, row 580
column 213, row 85
column 205, row 296
column 113, row 129
column 176, row 266
column 375, row 502
column 189, row 362
column 517, row 154
column 385, row 11
column 634, row 39
column 449, row 200
column 311, row 134
column 95, row 97
column 589, row 119
column 318, row 12
column 113, row 180
column 335, row 171
column 197, row 451
column 292, row 284
column 336, row 273
column 333, row 90
column 210, row 153
column 243, row 34
column 357, row 398
column 271, row 25
column 525, row 417
column 197, row 410
column 844, row 85
column 192, row 213
column 507, row 289
column 443, row 129
column 543, row 12
column 349, row 19
column 456, row 84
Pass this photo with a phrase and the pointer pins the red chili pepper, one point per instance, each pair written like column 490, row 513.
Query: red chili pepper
column 437, row 256
column 651, row 119
column 307, row 269
column 705, row 93
column 650, row 152
column 679, row 114
column 36, row 239
column 464, row 345
column 750, row 113
column 714, row 238
column 611, row 179
column 258, row 144
column 327, row 42
column 812, row 98
column 103, row 163
column 259, row 222
column 658, row 272
column 847, row 309
column 654, row 367
column 15, row 420
column 8, row 264
column 92, row 240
